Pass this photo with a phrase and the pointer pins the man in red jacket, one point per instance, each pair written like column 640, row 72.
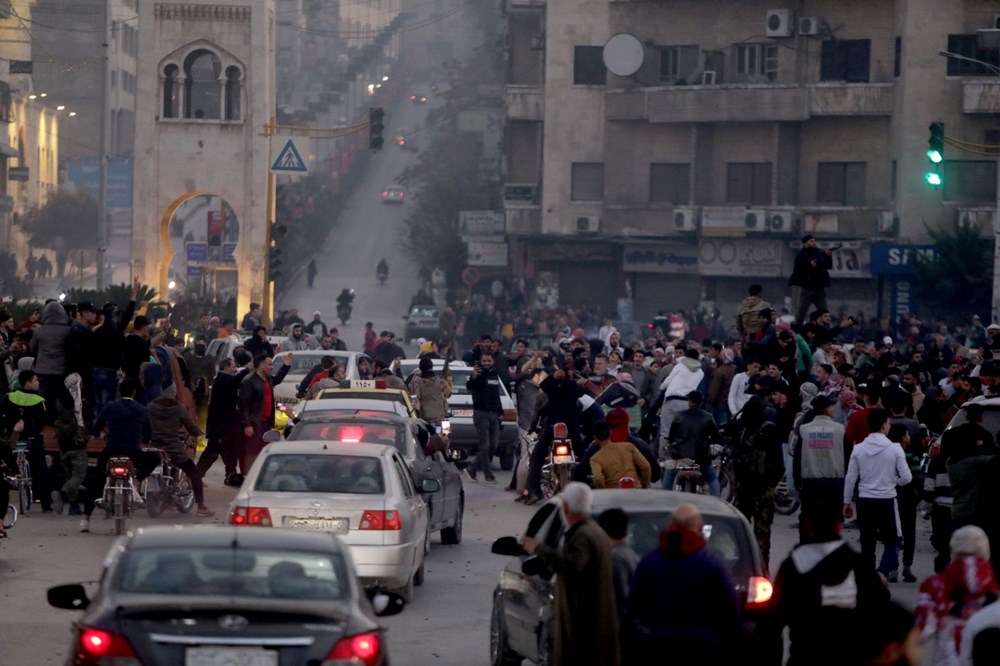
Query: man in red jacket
column 857, row 426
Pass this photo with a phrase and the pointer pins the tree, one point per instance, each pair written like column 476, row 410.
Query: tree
column 66, row 222
column 958, row 282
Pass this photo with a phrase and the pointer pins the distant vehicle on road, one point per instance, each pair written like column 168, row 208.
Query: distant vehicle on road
column 393, row 194
column 423, row 321
column 418, row 98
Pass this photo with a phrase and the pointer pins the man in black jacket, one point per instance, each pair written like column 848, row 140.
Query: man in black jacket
column 80, row 347
column 256, row 402
column 135, row 350
column 222, row 429
column 487, row 410
column 812, row 273
column 109, row 340
column 563, row 391
column 691, row 436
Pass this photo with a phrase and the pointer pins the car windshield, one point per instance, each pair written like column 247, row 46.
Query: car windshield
column 303, row 363
column 369, row 433
column 991, row 420
column 321, row 473
column 425, row 312
column 726, row 537
column 241, row 572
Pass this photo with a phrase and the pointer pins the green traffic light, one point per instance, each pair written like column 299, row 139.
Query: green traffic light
column 935, row 156
column 933, row 179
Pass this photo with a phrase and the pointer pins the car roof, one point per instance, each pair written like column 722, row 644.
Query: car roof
column 329, row 447
column 346, row 403
column 215, row 536
column 987, row 402
column 655, row 499
column 388, row 418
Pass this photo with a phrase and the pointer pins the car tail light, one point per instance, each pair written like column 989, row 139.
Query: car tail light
column 649, row 326
column 251, row 515
column 562, row 450
column 759, row 591
column 96, row 645
column 360, row 650
column 560, row 431
column 510, row 415
column 380, row 520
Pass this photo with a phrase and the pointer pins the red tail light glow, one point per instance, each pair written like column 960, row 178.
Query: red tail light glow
column 352, row 434
column 381, row 520
column 759, row 591
column 363, row 649
column 626, row 482
column 119, row 471
column 95, row 643
column 385, row 194
column 251, row 515
column 560, row 431
column 562, row 450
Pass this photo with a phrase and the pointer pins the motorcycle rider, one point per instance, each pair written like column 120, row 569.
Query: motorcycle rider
column 344, row 301
column 685, row 377
column 563, row 393
column 26, row 407
column 692, row 433
column 167, row 416
column 382, row 270
column 616, row 460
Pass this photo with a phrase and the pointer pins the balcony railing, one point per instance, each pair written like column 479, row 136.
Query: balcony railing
column 525, row 102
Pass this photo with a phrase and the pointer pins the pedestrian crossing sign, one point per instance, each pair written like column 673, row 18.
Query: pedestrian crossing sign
column 289, row 159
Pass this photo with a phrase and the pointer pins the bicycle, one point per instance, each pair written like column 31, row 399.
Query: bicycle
column 22, row 477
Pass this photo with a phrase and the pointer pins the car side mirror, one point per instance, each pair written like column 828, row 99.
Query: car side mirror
column 509, row 546
column 533, row 566
column 271, row 436
column 69, row 597
column 430, row 486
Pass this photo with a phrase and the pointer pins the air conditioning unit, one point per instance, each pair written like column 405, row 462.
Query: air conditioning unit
column 888, row 223
column 781, row 222
column 996, row 22
column 588, row 224
column 686, row 219
column 808, row 26
column 779, row 23
column 756, row 221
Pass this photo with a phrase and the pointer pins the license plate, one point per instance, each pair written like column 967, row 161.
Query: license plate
column 230, row 656
column 558, row 460
column 335, row 525
column 461, row 412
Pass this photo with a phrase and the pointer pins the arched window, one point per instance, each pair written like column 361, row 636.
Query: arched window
column 171, row 92
column 233, row 92
column 202, row 87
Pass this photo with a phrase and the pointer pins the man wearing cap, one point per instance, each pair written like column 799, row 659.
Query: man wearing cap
column 812, row 274
column 80, row 346
column 819, row 457
column 316, row 327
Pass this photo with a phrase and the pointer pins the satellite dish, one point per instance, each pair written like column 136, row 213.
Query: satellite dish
column 624, row 54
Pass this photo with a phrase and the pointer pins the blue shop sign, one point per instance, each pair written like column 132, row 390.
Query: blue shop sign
column 897, row 258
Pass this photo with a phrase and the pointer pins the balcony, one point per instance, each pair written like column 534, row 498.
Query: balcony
column 851, row 99
column 525, row 102
column 981, row 96
column 751, row 102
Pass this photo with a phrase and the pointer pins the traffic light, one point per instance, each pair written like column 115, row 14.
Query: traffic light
column 375, row 127
column 935, row 155
column 274, row 252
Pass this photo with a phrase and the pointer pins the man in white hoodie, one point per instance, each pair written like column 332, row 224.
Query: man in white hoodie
column 682, row 380
column 878, row 465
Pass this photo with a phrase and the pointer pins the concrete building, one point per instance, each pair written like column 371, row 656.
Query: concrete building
column 741, row 126
column 205, row 93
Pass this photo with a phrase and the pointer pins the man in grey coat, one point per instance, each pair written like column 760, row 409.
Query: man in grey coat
column 49, row 347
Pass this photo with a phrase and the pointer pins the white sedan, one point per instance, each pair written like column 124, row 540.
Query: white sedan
column 364, row 493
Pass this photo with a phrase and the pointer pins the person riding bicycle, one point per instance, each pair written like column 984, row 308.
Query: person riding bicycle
column 383, row 268
column 128, row 426
column 25, row 406
column 168, row 417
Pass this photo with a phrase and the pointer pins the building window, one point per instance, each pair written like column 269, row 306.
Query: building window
column 967, row 46
column 748, row 183
column 233, row 75
column 171, row 92
column 588, row 66
column 677, row 63
column 845, row 60
column 991, row 141
column 970, row 181
column 757, row 63
column 670, row 183
column 841, row 183
column 202, row 88
column 898, row 57
column 588, row 181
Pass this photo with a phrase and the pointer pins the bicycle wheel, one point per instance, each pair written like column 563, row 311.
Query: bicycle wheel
column 118, row 508
column 185, row 494
column 24, row 496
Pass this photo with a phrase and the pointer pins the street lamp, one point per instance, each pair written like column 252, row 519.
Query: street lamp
column 995, row 313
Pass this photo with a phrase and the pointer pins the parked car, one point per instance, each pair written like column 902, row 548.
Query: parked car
column 225, row 595
column 445, row 507
column 363, row 493
column 423, row 321
column 522, row 619
column 306, row 360
column 393, row 194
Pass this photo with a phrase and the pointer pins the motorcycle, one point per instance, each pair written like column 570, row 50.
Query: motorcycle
column 785, row 503
column 166, row 486
column 344, row 308
column 382, row 277
column 119, row 496
column 557, row 471
column 690, row 479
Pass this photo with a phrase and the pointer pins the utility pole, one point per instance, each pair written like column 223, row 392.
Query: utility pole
column 102, row 196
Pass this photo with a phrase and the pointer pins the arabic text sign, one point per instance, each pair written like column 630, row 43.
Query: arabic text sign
column 749, row 257
column 481, row 223
column 723, row 221
column 660, row 258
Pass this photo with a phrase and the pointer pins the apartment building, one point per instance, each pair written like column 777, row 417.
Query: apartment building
column 732, row 128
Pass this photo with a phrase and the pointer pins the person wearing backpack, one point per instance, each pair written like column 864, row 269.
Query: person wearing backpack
column 759, row 467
